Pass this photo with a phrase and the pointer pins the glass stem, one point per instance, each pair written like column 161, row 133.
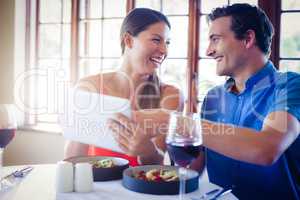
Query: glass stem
column 182, row 179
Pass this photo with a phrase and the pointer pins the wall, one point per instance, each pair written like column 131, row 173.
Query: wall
column 6, row 50
column 30, row 147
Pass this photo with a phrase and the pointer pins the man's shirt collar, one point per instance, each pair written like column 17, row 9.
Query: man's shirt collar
column 267, row 70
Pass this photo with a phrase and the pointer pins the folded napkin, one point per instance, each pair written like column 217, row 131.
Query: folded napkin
column 85, row 117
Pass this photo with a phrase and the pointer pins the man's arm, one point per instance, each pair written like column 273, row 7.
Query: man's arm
column 199, row 163
column 280, row 130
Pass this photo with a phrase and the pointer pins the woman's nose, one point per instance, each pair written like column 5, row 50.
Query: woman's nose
column 163, row 47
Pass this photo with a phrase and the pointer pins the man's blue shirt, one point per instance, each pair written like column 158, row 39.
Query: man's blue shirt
column 266, row 91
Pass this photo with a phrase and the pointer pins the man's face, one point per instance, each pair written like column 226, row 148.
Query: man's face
column 228, row 51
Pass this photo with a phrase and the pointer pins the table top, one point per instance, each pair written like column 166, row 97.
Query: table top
column 40, row 184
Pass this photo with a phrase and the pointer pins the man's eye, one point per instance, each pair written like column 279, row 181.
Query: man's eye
column 215, row 39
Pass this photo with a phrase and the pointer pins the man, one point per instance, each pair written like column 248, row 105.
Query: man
column 250, row 124
column 252, row 132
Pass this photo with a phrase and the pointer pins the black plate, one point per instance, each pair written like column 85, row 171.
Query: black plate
column 160, row 188
column 104, row 174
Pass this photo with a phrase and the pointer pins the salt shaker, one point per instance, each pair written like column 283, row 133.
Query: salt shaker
column 64, row 177
column 83, row 177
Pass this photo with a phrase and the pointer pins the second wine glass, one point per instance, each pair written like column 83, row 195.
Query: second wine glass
column 8, row 126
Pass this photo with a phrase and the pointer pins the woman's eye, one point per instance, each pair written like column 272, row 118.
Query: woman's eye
column 156, row 40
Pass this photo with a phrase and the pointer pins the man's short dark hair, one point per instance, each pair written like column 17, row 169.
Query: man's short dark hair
column 246, row 17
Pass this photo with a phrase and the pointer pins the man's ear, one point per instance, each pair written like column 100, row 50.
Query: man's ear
column 250, row 39
column 128, row 40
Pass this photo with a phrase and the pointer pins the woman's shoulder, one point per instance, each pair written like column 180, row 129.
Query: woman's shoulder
column 171, row 97
column 168, row 89
column 96, row 82
column 99, row 76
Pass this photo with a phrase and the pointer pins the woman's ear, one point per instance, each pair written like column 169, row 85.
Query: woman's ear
column 128, row 40
column 250, row 39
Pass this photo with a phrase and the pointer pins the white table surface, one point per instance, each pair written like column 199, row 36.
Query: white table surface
column 39, row 184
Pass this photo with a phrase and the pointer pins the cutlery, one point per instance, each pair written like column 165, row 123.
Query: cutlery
column 18, row 173
column 222, row 193
column 206, row 194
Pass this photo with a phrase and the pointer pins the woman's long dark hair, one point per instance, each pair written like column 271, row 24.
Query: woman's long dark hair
column 138, row 20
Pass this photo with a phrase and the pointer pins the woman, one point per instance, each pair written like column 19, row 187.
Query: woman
column 144, row 41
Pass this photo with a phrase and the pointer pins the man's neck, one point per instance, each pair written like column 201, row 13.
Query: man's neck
column 252, row 67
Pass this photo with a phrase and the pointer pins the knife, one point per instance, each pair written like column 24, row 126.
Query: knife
column 222, row 193
column 206, row 194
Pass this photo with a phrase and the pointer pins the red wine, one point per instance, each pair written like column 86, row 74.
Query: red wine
column 183, row 154
column 6, row 135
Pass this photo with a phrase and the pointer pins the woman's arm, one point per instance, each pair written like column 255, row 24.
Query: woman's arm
column 72, row 148
column 75, row 149
column 171, row 98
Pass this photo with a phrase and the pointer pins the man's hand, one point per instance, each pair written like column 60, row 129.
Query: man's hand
column 154, row 121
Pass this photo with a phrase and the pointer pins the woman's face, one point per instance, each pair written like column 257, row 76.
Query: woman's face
column 149, row 48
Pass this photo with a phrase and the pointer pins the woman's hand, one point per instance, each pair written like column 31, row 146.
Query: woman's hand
column 133, row 138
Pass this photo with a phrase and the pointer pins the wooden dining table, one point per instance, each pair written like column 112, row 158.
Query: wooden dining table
column 39, row 184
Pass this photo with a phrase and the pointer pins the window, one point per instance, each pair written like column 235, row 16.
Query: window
column 69, row 43
column 99, row 27
column 207, row 66
column 48, row 60
column 290, row 36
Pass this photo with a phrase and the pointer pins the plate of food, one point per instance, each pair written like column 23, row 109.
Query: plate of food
column 158, row 179
column 104, row 168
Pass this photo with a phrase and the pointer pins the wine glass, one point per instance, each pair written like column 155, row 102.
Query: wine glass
column 183, row 143
column 8, row 125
